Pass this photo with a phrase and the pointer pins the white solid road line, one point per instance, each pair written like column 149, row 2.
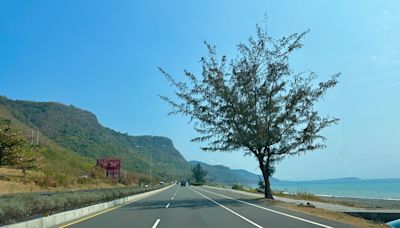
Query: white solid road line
column 156, row 224
column 233, row 212
column 167, row 205
column 270, row 210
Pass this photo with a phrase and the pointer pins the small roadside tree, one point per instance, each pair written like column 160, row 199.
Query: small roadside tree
column 11, row 146
column 255, row 102
column 199, row 175
column 15, row 150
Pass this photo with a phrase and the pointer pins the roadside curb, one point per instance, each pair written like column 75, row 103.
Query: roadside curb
column 69, row 216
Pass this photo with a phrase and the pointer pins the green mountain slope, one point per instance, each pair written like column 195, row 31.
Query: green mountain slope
column 57, row 158
column 224, row 175
column 80, row 133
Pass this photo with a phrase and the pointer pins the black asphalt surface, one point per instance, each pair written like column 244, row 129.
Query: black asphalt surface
column 203, row 207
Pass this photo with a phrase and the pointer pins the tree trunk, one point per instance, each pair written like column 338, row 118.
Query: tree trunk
column 267, row 189
column 265, row 173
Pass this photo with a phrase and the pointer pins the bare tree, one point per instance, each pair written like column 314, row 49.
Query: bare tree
column 255, row 102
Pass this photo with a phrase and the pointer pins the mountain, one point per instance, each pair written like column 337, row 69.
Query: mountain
column 224, row 175
column 79, row 135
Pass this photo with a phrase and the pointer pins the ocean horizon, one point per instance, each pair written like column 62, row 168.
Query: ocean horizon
column 388, row 189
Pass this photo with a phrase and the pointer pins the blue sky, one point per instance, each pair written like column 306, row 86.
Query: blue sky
column 102, row 56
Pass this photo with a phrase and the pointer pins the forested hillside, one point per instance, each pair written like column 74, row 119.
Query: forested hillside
column 76, row 137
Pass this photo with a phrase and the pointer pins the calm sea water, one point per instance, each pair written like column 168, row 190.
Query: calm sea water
column 375, row 189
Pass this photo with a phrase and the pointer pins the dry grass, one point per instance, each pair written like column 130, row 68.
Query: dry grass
column 10, row 187
column 311, row 197
column 334, row 216
column 300, row 196
column 13, row 181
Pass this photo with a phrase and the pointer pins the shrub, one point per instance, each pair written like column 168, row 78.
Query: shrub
column 46, row 181
column 237, row 187
column 197, row 183
column 308, row 196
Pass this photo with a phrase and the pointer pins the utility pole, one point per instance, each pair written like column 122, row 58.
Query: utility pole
column 150, row 171
column 32, row 136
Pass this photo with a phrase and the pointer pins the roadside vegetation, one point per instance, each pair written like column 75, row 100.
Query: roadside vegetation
column 20, row 207
column 198, row 175
column 68, row 140
column 25, row 168
column 43, row 147
column 301, row 195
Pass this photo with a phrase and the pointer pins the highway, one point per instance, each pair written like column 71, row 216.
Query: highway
column 201, row 207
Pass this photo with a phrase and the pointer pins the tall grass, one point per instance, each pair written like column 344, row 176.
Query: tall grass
column 299, row 195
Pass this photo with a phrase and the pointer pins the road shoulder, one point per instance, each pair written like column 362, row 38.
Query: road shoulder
column 292, row 207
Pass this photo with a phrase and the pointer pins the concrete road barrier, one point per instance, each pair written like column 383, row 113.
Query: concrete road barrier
column 68, row 216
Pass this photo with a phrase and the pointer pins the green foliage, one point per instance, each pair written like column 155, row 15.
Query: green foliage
column 24, row 206
column 11, row 146
column 74, row 139
column 199, row 174
column 15, row 150
column 254, row 102
column 224, row 175
column 261, row 185
column 238, row 187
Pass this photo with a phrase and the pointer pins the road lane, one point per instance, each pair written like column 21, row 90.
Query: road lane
column 142, row 213
column 265, row 213
column 202, row 207
column 189, row 209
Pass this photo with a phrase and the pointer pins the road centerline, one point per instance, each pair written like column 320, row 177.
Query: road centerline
column 233, row 212
column 267, row 209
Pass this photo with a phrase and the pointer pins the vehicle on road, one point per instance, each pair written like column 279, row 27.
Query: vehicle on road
column 183, row 183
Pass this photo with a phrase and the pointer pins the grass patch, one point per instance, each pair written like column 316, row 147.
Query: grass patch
column 13, row 181
column 299, row 196
column 244, row 188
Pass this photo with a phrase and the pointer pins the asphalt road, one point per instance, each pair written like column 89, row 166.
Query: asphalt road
column 202, row 207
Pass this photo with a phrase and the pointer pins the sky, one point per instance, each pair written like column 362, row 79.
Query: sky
column 102, row 56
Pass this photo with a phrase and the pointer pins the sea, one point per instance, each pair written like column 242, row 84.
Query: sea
column 356, row 188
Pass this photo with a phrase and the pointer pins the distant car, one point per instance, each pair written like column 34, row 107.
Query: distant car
column 162, row 183
column 183, row 183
